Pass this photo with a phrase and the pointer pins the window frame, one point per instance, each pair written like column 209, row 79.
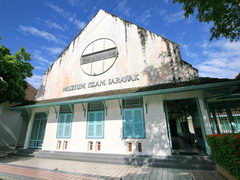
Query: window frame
column 94, row 136
column 123, row 124
column 70, row 130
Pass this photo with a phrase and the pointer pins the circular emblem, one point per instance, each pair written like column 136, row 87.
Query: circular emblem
column 98, row 57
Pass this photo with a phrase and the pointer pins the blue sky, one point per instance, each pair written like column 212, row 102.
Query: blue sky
column 46, row 27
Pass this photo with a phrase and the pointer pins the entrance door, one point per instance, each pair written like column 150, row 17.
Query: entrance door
column 38, row 130
column 185, row 127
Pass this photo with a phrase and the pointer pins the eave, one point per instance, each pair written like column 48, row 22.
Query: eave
column 134, row 94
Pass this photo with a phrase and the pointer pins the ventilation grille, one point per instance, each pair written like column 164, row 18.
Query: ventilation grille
column 96, row 106
column 133, row 103
column 66, row 108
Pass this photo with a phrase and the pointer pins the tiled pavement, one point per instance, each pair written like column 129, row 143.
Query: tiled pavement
column 15, row 168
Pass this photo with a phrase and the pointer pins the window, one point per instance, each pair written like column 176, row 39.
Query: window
column 65, row 122
column 95, row 120
column 139, row 147
column 58, row 144
column 133, row 120
column 65, row 145
column 90, row 145
column 129, row 147
column 98, row 146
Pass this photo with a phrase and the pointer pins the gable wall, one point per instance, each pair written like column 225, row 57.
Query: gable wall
column 152, row 58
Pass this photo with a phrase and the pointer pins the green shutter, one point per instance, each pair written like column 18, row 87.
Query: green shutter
column 99, row 124
column 133, row 123
column 139, row 123
column 128, row 123
column 67, row 129
column 90, row 127
column 95, row 124
column 64, row 126
column 60, row 129
column 38, row 130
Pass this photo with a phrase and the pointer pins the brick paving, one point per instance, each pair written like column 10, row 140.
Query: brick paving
column 15, row 168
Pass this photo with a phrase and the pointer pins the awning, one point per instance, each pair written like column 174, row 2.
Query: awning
column 132, row 92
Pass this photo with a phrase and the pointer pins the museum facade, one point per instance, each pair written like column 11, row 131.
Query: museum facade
column 120, row 89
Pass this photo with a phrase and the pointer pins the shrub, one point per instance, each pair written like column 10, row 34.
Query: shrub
column 225, row 149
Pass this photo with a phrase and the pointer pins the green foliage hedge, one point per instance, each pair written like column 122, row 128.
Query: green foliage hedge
column 225, row 149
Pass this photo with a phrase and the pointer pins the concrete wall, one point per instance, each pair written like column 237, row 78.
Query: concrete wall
column 9, row 124
column 153, row 58
column 155, row 143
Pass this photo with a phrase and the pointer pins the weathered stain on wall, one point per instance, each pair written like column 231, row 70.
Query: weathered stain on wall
column 154, row 58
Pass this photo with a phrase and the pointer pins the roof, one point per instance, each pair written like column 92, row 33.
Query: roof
column 195, row 84
column 30, row 93
column 238, row 76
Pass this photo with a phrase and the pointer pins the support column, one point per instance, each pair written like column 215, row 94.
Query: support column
column 206, row 121
column 165, row 131
column 215, row 120
column 29, row 131
column 229, row 117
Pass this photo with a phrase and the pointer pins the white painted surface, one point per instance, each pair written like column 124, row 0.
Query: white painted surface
column 155, row 60
column 155, row 143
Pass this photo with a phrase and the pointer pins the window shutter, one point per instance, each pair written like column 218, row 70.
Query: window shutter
column 91, row 124
column 133, row 123
column 67, row 128
column 138, row 121
column 128, row 123
column 60, row 131
column 99, row 123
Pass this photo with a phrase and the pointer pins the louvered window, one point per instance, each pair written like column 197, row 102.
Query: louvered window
column 133, row 103
column 133, row 118
column 95, row 124
column 65, row 122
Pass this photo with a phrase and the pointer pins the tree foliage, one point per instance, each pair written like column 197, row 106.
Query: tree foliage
column 14, row 69
column 224, row 14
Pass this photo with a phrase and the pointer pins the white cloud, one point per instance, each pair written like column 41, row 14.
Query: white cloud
column 39, row 33
column 35, row 80
column 73, row 2
column 54, row 50
column 173, row 17
column 37, row 56
column 39, row 67
column 188, row 52
column 146, row 15
column 222, row 59
column 123, row 8
column 169, row 17
column 55, row 25
column 71, row 17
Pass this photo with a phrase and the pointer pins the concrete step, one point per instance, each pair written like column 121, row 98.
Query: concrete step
column 181, row 162
column 5, row 151
column 25, row 152
column 2, row 154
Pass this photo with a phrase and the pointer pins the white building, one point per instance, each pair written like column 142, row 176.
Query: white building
column 118, row 89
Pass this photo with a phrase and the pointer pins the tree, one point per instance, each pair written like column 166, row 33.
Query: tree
column 14, row 69
column 224, row 14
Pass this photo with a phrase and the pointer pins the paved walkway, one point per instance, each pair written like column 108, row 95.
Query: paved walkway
column 15, row 168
